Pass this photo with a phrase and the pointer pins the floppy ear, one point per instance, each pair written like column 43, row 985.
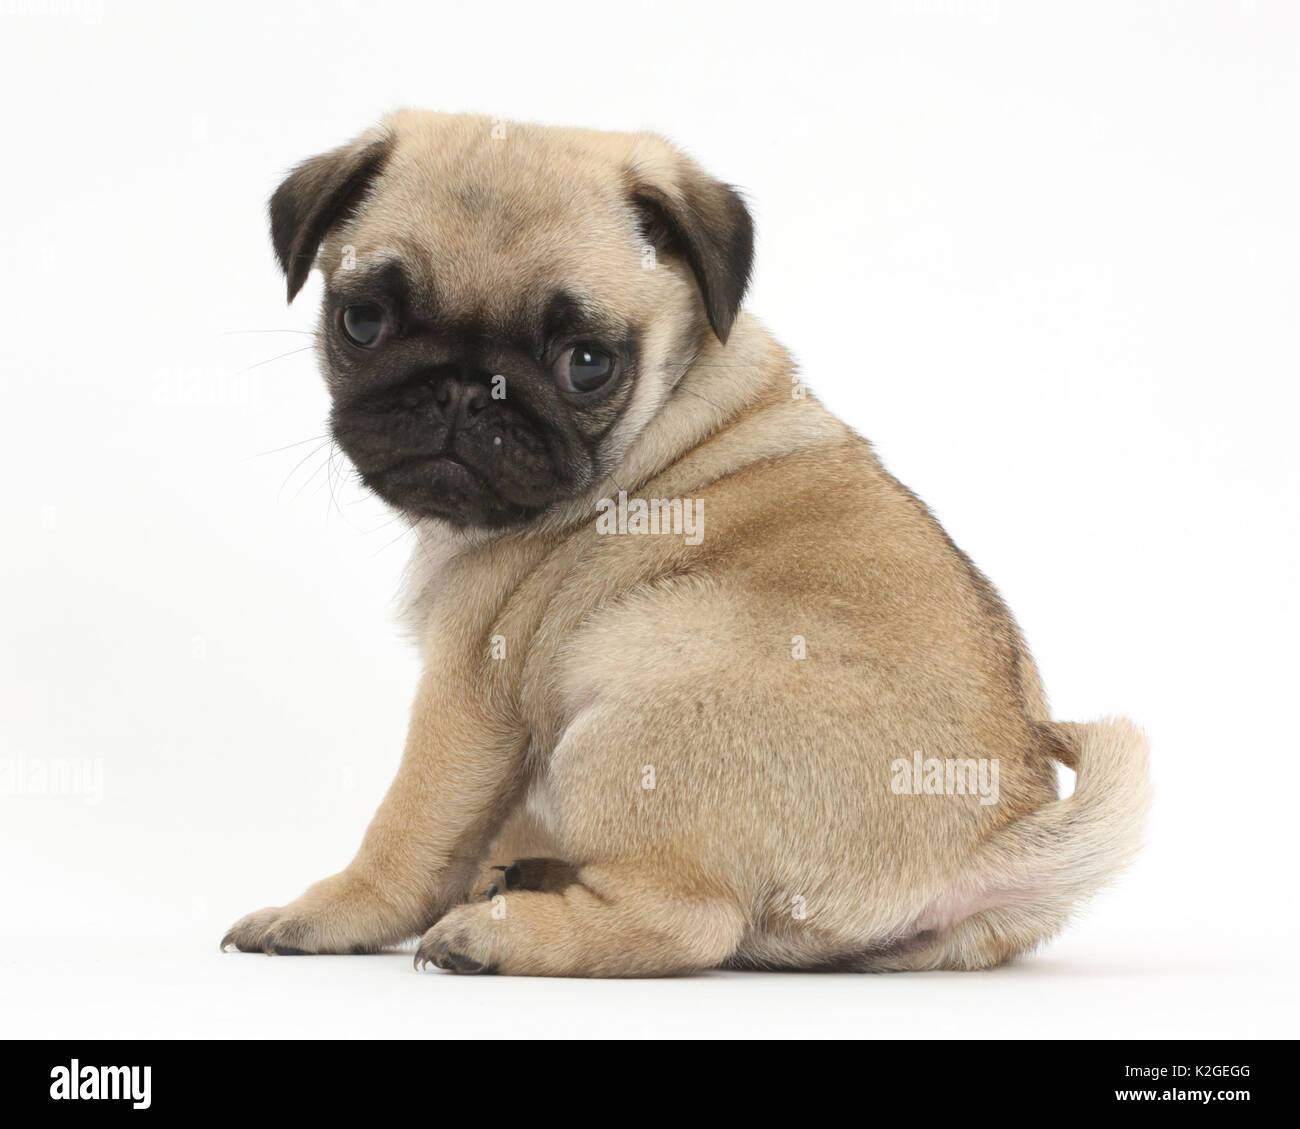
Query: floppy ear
column 707, row 223
column 319, row 193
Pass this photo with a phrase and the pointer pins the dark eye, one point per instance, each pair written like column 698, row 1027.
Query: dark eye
column 583, row 368
column 363, row 325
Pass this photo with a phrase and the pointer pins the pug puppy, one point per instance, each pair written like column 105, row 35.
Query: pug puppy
column 704, row 685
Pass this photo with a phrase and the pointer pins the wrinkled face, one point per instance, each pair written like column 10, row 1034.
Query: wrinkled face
column 501, row 317
column 478, row 420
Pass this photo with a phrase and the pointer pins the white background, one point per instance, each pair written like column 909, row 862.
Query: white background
column 1046, row 256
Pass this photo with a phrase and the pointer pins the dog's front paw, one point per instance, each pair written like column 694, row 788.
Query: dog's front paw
column 339, row 915
column 268, row 931
column 468, row 939
column 289, row 931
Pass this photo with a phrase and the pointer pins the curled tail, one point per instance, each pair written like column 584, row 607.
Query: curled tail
column 1069, row 849
column 1029, row 875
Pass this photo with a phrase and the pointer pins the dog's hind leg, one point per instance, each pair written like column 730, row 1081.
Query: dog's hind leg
column 616, row 920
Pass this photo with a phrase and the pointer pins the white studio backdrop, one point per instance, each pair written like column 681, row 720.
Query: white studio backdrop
column 1046, row 256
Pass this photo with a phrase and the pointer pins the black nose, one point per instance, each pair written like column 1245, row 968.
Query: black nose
column 459, row 400
column 456, row 400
